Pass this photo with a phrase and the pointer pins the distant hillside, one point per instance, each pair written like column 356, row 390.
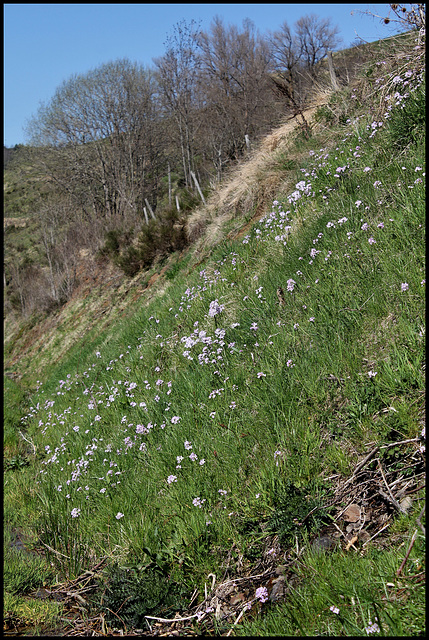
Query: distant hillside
column 7, row 155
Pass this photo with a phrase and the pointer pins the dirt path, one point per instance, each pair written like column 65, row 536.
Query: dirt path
column 253, row 184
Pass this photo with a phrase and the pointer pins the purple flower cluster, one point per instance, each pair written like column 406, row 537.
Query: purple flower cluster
column 146, row 402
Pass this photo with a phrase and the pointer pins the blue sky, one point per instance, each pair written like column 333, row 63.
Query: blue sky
column 44, row 44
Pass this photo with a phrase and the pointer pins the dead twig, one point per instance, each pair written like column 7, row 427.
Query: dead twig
column 422, row 486
column 394, row 444
column 349, row 542
column 360, row 466
column 29, row 442
column 413, row 539
column 58, row 553
column 376, row 534
column 194, row 595
column 261, row 575
column 392, row 498
column 195, row 615
column 245, row 608
column 119, row 618
column 418, row 521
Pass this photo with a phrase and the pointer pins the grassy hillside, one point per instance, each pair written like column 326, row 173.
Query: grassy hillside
column 243, row 448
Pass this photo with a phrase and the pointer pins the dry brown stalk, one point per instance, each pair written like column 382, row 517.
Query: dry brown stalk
column 391, row 497
column 407, row 555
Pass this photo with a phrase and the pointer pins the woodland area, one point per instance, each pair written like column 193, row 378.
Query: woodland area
column 120, row 155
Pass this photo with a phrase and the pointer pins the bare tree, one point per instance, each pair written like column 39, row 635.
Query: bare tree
column 99, row 130
column 61, row 238
column 286, row 60
column 286, row 49
column 234, row 67
column 50, row 222
column 296, row 56
column 177, row 78
column 316, row 37
column 27, row 288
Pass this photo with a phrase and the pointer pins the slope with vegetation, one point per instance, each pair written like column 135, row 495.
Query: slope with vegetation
column 122, row 154
column 243, row 451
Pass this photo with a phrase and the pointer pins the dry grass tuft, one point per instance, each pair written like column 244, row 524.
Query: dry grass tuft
column 251, row 187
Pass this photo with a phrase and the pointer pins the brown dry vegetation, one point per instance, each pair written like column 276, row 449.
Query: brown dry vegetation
column 250, row 187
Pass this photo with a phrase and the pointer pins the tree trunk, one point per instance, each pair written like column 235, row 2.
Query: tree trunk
column 198, row 186
column 150, row 208
column 334, row 81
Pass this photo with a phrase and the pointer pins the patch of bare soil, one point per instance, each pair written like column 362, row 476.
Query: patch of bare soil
column 15, row 222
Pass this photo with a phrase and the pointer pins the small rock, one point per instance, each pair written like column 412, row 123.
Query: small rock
column 236, row 599
column 364, row 536
column 278, row 590
column 352, row 513
column 323, row 544
column 42, row 594
column 351, row 537
column 406, row 504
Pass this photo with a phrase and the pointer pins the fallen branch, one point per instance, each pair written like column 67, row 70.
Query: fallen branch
column 29, row 442
column 394, row 444
column 119, row 618
column 245, row 608
column 195, row 615
column 55, row 551
column 360, row 466
column 194, row 595
column 261, row 575
column 349, row 543
column 422, row 486
column 392, row 500
column 212, row 575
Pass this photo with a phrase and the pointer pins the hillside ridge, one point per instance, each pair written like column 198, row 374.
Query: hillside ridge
column 84, row 311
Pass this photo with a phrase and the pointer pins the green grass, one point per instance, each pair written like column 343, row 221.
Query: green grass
column 361, row 590
column 23, row 571
column 14, row 447
column 179, row 434
column 32, row 616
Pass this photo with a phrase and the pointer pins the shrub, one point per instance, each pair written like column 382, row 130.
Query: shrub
column 133, row 594
column 292, row 505
column 129, row 261
column 111, row 245
column 407, row 123
column 325, row 115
